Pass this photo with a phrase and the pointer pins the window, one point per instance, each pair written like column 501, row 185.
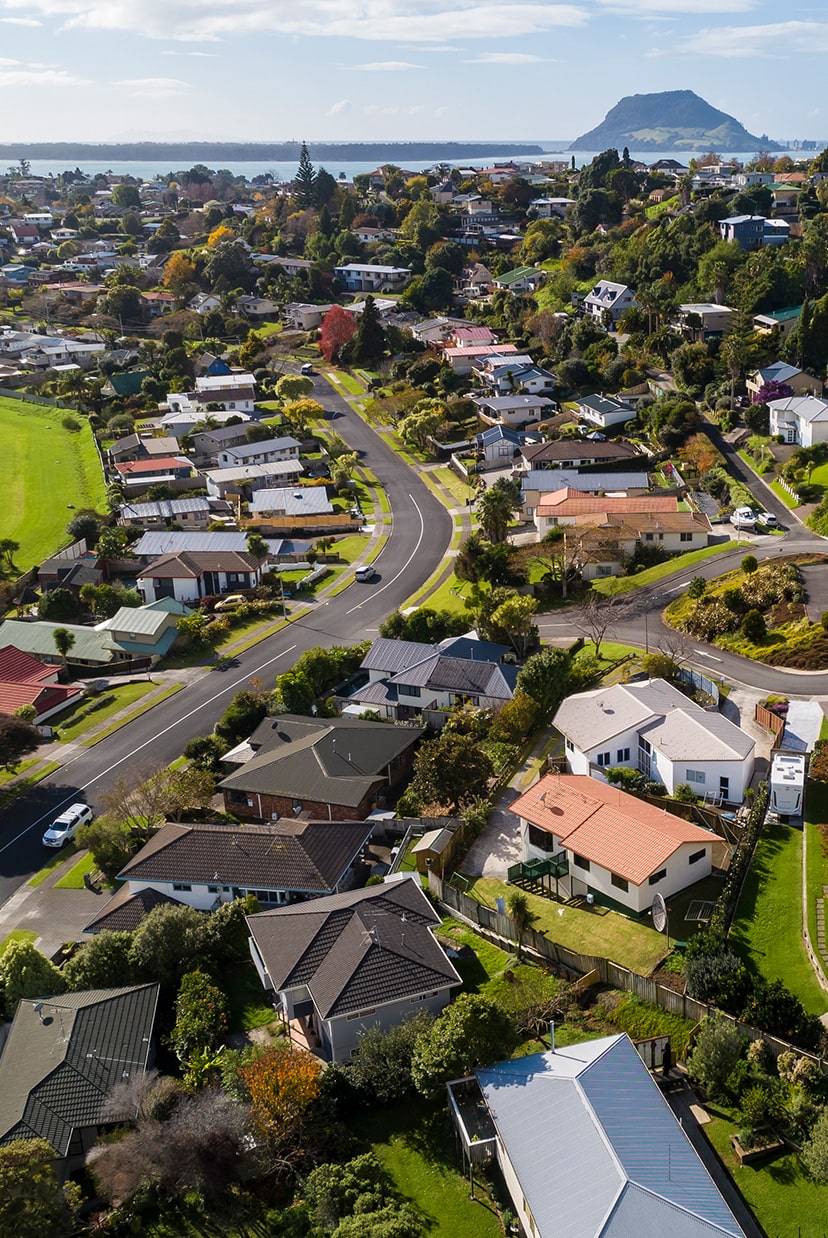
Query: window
column 603, row 758
column 580, row 862
column 603, row 569
column 297, row 805
column 181, row 885
column 213, row 889
column 695, row 775
column 685, row 537
column 409, row 690
column 659, row 876
column 724, row 787
column 620, row 883
column 696, row 856
column 541, row 839
column 570, row 747
column 648, row 537
column 644, row 745
column 623, row 754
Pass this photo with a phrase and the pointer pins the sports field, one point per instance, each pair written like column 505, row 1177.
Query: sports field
column 45, row 472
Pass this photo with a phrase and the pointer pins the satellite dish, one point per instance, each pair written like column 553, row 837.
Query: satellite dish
column 659, row 913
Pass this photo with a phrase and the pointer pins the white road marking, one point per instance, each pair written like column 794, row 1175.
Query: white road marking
column 705, row 654
column 676, row 588
column 394, row 579
column 70, row 799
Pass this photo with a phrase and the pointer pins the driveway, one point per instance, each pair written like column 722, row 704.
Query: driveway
column 815, row 579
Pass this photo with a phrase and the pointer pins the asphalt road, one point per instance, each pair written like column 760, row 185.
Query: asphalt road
column 421, row 533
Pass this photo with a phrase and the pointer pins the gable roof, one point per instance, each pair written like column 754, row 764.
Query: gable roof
column 779, row 372
column 440, row 672
column 25, row 681
column 262, row 447
column 65, row 1054
column 569, row 502
column 804, row 407
column 355, row 950
column 37, row 637
column 190, row 564
column 589, row 1119
column 603, row 405
column 605, row 825
column 577, row 449
column 584, row 483
column 125, row 910
column 308, row 857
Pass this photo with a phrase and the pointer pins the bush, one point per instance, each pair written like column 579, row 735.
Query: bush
column 754, row 626
column 685, row 794
column 717, row 1049
column 697, row 587
column 749, row 564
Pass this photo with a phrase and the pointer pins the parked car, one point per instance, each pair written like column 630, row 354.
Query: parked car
column 230, row 602
column 363, row 575
column 743, row 518
column 64, row 828
column 767, row 518
column 307, row 368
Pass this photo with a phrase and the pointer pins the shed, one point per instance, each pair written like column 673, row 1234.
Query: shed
column 433, row 849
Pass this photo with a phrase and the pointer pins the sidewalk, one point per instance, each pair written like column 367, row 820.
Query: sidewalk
column 57, row 916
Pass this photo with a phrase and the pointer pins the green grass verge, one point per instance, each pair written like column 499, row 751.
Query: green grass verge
column 45, row 471
column 26, row 784
column 612, row 585
column 599, row 932
column 350, row 548
column 125, row 695
column 130, row 717
column 73, row 879
column 459, row 489
column 259, row 627
column 816, row 861
column 767, row 929
column 7, row 775
column 340, row 379
column 55, row 860
column 16, row 935
column 748, row 459
column 782, row 494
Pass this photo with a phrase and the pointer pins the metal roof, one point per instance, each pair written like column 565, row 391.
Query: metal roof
column 306, row 501
column 172, row 542
column 91, row 645
column 164, row 508
column 549, row 480
column 597, row 1150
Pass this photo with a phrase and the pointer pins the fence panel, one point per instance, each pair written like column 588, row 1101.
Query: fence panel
column 30, row 398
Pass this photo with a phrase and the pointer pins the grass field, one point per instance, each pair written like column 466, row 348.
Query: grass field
column 767, row 930
column 622, row 584
column 45, row 472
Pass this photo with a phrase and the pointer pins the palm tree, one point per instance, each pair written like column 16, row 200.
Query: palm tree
column 494, row 511
column 64, row 640
column 517, row 904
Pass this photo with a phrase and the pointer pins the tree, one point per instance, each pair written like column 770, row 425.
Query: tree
column 815, row 1149
column 515, row 617
column 85, row 525
column 8, row 549
column 370, row 342
column 517, row 719
column 754, row 626
column 422, row 423
column 200, row 1016
column 381, row 1071
column 716, row 1050
column 304, row 182
column 473, row 1031
column 242, row 716
column 424, row 625
column 33, row 1203
column 25, row 972
column 18, row 738
column 293, row 386
column 451, row 771
column 749, row 564
column 282, row 1085
column 595, row 617
column 545, row 678
column 520, row 913
column 102, row 962
column 301, row 412
column 494, row 512
column 167, row 943
column 59, row 606
column 336, row 330
column 206, row 752
column 179, row 275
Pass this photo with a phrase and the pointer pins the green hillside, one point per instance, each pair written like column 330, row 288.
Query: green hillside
column 670, row 120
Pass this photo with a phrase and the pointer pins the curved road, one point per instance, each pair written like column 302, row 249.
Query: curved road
column 421, row 533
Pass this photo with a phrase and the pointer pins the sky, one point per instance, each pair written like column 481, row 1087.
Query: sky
column 338, row 70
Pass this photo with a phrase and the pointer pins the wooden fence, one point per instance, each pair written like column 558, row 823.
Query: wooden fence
column 498, row 925
column 773, row 722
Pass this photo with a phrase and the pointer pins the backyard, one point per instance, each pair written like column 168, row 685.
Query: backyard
column 46, row 472
column 816, row 814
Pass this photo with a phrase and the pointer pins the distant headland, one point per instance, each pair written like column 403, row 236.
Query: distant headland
column 219, row 153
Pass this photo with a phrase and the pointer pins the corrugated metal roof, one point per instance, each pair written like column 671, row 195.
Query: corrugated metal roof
column 39, row 638
column 585, row 483
column 174, row 542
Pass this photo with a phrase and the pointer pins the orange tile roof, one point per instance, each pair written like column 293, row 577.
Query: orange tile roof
column 606, row 825
column 569, row 502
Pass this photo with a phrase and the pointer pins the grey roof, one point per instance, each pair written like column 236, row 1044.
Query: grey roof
column 221, row 433
column 603, row 404
column 393, row 656
column 355, row 950
column 329, row 761
column 175, row 541
column 442, row 673
column 262, row 446
column 779, row 372
column 512, row 403
column 308, row 857
column 164, row 508
column 250, row 472
column 548, row 480
column 125, row 910
column 565, row 449
column 597, row 1150
column 674, row 725
column 305, row 501
column 803, row 407
column 65, row 1054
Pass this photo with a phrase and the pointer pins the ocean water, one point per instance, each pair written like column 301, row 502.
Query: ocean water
column 285, row 171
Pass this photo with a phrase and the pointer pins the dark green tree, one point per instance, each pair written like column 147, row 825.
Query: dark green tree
column 473, row 1031
column 304, row 183
column 33, row 1204
column 369, row 342
column 451, row 770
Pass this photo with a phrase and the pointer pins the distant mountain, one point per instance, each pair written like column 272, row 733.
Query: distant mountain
column 670, row 120
column 219, row 153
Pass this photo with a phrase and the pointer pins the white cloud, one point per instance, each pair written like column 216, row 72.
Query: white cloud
column 340, row 108
column 40, row 77
column 772, row 41
column 153, row 87
column 20, row 21
column 205, row 55
column 383, row 66
column 507, row 58
column 651, row 8
column 408, row 21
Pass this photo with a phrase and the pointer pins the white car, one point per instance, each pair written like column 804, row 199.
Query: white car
column 768, row 519
column 64, row 828
column 364, row 575
column 743, row 518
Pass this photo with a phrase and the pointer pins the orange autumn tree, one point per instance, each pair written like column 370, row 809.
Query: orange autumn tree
column 282, row 1085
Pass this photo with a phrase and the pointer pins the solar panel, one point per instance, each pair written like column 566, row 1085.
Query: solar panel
column 700, row 910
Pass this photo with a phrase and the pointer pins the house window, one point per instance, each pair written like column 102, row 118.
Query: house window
column 623, row 754
column 580, row 862
column 685, row 537
column 408, row 690
column 696, row 856
column 648, row 537
column 213, row 889
column 603, row 758
column 603, row 569
column 659, row 876
column 570, row 747
column 644, row 745
column 695, row 775
column 541, row 839
column 181, row 885
column 297, row 805
column 620, row 883
column 724, row 787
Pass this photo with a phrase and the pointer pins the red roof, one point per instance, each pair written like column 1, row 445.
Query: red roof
column 25, row 681
column 19, row 667
column 569, row 502
column 162, row 464
column 606, row 825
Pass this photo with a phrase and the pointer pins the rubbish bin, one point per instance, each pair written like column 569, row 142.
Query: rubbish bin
column 590, row 899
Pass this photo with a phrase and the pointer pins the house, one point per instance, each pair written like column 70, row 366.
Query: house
column 520, row 280
column 588, row 1147
column 576, row 453
column 145, row 633
column 365, row 277
column 604, row 410
column 498, row 444
column 514, row 410
column 801, row 419
column 669, row 167
column 565, row 505
column 256, row 309
column 233, row 392
column 151, row 471
column 188, row 513
column 609, row 298
column 535, row 486
column 477, row 281
column 701, row 321
column 73, row 566
column 653, row 727
column 518, row 373
column 463, row 360
column 207, row 444
column 124, row 912
column 205, row 865
column 189, row 416
column 784, row 321
column 799, row 382
column 204, row 303
column 291, row 506
column 776, row 232
column 620, row 849
column 63, row 1058
column 140, row 447
column 26, row 681
column 174, row 542
column 334, row 768
column 191, row 575
column 344, row 964
column 90, row 648
column 156, row 304
column 551, row 208
column 301, row 317
column 262, row 451
column 754, row 231
column 248, row 478
column 125, row 384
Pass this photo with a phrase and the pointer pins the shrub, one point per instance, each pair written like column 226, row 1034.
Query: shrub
column 716, row 1051
column 685, row 794
column 754, row 626
column 749, row 564
column 696, row 587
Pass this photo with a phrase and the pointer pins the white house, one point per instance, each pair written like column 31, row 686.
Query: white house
column 463, row 360
column 800, row 382
column 264, row 451
column 703, row 320
column 801, row 419
column 343, row 964
column 609, row 297
column 364, row 277
column 191, row 575
column 604, row 410
column 303, row 317
column 604, row 842
column 653, row 727
column 241, row 478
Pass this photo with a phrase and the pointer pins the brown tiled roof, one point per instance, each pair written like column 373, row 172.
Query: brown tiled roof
column 191, row 564
column 125, row 911
column 355, row 950
column 301, row 856
column 577, row 449
column 569, row 502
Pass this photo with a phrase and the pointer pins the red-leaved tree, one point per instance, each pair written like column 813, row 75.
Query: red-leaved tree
column 337, row 328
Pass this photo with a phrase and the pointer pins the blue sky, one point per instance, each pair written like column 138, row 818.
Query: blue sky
column 397, row 69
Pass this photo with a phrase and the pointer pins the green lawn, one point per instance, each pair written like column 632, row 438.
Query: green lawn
column 45, row 472
column 599, row 932
column 819, row 476
column 7, row 774
column 496, row 973
column 17, row 935
column 622, row 584
column 782, row 494
column 133, row 714
column 55, row 860
column 816, row 813
column 73, row 879
column 347, row 381
column 71, row 728
column 246, row 1004
column 767, row 929
column 349, row 548
column 755, row 467
column 459, row 489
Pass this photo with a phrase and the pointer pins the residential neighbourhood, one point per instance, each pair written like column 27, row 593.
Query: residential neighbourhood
column 413, row 685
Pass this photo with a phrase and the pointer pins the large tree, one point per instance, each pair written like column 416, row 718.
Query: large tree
column 473, row 1031
column 18, row 738
column 33, row 1203
column 451, row 771
column 337, row 329
column 370, row 342
column 545, row 678
column 25, row 972
column 494, row 512
column 304, row 182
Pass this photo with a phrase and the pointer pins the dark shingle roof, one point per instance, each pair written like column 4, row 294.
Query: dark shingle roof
column 357, row 949
column 299, row 856
column 576, row 449
column 192, row 563
column 441, row 673
column 64, row 1055
column 125, row 911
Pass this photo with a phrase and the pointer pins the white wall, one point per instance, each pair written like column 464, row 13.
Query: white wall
column 341, row 1035
column 671, row 773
